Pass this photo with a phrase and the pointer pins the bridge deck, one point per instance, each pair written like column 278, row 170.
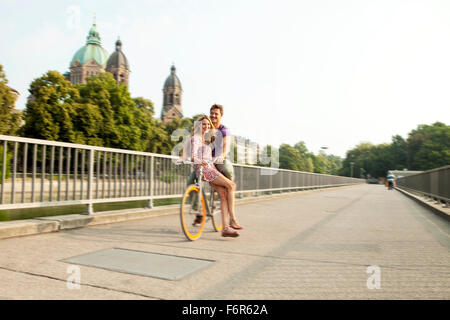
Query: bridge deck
column 307, row 246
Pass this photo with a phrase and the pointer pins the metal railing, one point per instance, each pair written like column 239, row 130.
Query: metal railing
column 40, row 173
column 434, row 184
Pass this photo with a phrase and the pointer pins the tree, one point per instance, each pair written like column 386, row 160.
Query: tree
column 117, row 124
column 289, row 157
column 321, row 163
column 335, row 164
column 268, row 157
column 172, row 137
column 153, row 133
column 9, row 119
column 360, row 157
column 50, row 108
column 87, row 121
column 306, row 158
column 429, row 146
column 399, row 152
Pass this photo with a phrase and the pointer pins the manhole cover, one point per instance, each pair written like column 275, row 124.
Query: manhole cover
column 142, row 263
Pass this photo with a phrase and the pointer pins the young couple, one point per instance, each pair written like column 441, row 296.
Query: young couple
column 211, row 140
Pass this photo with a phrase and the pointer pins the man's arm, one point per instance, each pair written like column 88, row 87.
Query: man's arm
column 226, row 146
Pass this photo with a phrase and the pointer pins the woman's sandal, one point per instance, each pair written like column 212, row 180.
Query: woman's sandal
column 236, row 226
column 229, row 233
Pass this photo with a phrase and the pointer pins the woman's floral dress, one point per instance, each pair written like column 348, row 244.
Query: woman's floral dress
column 202, row 151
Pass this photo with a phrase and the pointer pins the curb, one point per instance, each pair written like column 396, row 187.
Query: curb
column 26, row 227
column 435, row 208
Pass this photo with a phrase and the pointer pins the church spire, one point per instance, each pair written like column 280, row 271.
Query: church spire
column 93, row 36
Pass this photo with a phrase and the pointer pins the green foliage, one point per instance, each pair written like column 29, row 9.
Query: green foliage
column 429, row 146
column 307, row 159
column 8, row 164
column 9, row 118
column 118, row 125
column 426, row 147
column 174, row 137
column 268, row 157
column 289, row 157
column 299, row 158
column 99, row 112
column 50, row 109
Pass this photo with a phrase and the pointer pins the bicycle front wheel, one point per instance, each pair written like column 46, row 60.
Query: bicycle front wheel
column 214, row 205
column 193, row 213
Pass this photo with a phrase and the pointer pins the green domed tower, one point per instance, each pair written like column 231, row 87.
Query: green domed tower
column 172, row 92
column 89, row 59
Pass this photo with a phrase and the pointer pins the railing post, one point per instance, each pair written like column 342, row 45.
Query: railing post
column 281, row 181
column 241, row 176
column 258, row 171
column 90, row 206
column 290, row 181
column 14, row 170
column 271, row 185
column 150, row 201
column 5, row 146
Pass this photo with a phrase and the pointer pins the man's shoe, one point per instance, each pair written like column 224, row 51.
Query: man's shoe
column 198, row 220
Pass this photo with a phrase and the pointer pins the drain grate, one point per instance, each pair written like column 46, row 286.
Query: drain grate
column 142, row 263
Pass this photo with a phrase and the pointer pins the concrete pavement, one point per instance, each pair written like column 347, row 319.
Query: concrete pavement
column 359, row 242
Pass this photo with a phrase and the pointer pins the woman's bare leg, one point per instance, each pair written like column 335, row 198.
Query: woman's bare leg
column 230, row 186
column 222, row 191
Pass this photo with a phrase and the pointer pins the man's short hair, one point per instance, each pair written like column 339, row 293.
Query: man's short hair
column 217, row 106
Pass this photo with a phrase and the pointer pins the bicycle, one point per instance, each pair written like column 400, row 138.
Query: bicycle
column 195, row 202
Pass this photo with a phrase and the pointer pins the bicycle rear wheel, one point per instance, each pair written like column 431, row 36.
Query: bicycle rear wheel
column 193, row 204
column 214, row 206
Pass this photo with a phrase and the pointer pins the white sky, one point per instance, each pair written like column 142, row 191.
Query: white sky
column 329, row 73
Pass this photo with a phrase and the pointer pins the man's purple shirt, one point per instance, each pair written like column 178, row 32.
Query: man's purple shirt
column 225, row 132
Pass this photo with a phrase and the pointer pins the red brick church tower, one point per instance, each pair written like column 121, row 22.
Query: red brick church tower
column 172, row 92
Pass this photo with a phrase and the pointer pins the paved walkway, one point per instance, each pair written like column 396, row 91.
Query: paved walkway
column 306, row 246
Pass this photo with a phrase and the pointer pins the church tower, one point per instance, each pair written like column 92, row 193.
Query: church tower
column 89, row 59
column 118, row 64
column 172, row 92
column 92, row 59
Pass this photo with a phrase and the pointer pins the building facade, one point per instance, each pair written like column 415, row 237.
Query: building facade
column 92, row 59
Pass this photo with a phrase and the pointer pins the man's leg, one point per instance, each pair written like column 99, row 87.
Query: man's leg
column 191, row 178
column 226, row 168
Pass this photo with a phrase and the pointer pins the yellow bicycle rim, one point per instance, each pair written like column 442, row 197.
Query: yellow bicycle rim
column 186, row 217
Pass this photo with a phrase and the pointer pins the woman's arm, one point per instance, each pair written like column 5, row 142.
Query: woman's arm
column 197, row 150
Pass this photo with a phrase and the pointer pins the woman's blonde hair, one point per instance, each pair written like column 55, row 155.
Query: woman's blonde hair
column 210, row 136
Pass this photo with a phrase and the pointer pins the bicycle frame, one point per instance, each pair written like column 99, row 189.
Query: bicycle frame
column 202, row 206
column 199, row 182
